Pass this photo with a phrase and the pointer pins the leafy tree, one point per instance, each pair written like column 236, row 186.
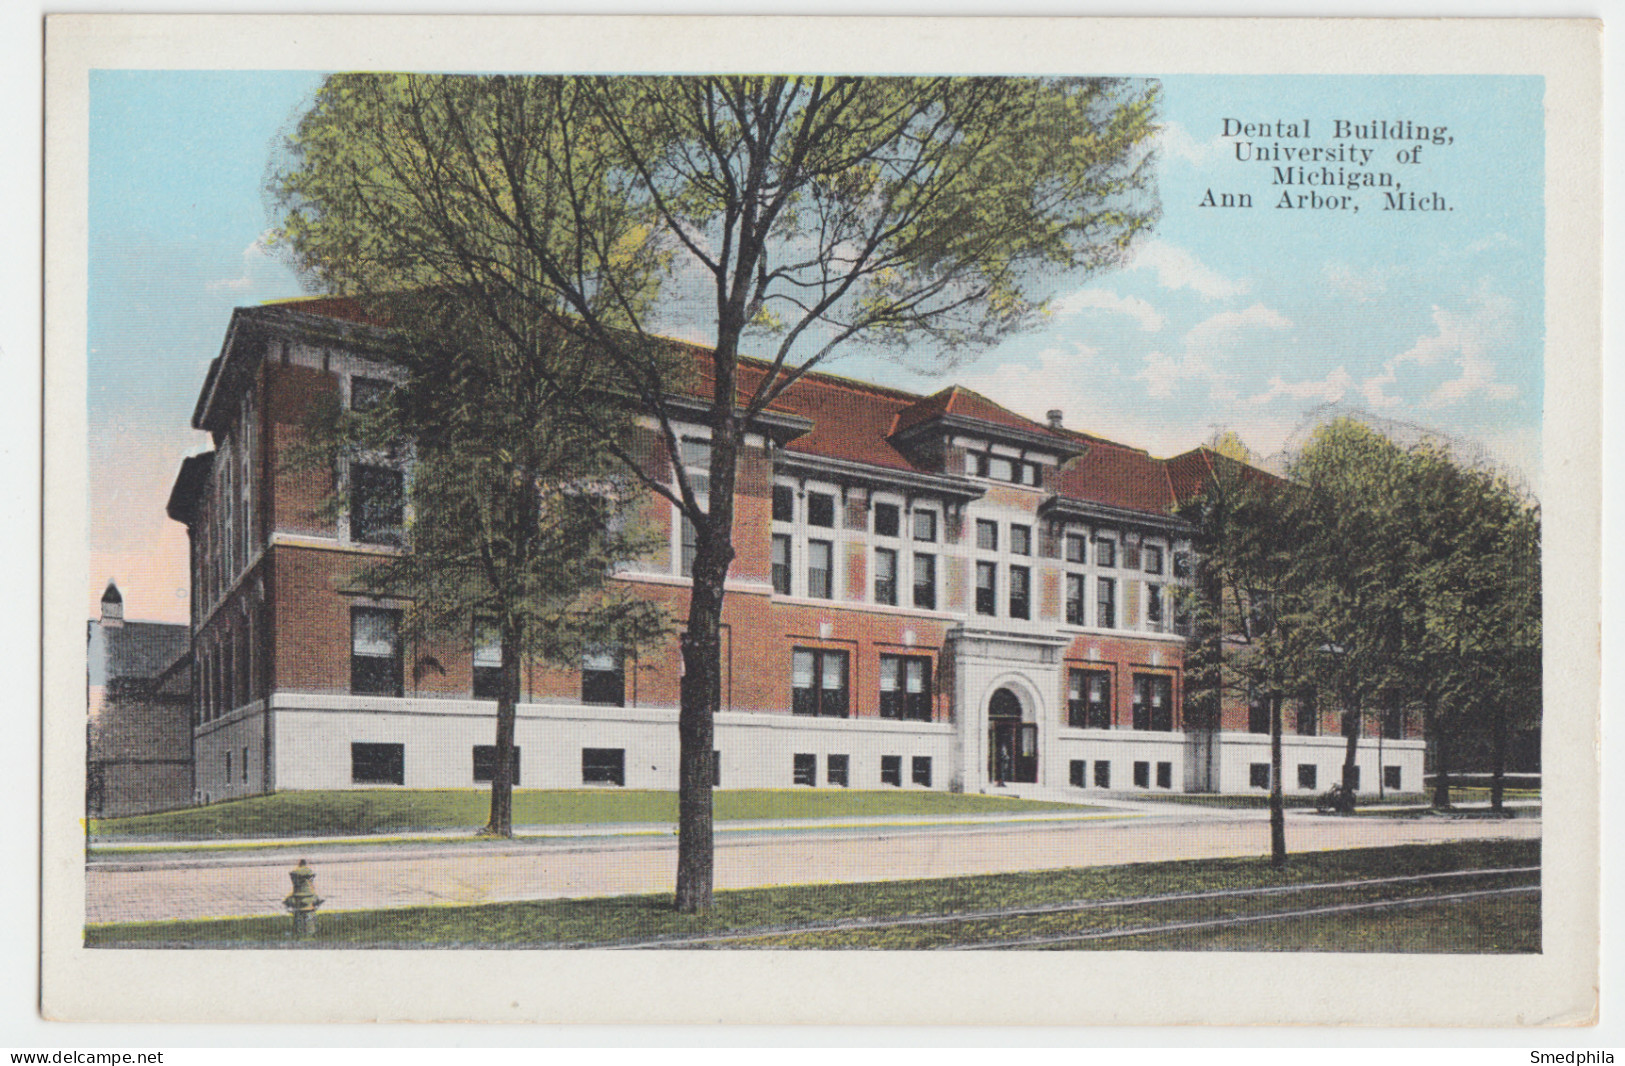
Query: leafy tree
column 515, row 518
column 798, row 213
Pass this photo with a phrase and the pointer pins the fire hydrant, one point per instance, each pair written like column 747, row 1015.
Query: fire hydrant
column 303, row 900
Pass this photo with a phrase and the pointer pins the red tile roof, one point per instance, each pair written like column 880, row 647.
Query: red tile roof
column 1118, row 477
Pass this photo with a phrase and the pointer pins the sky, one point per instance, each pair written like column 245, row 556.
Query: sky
column 1250, row 319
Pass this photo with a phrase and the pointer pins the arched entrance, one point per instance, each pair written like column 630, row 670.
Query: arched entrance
column 1012, row 745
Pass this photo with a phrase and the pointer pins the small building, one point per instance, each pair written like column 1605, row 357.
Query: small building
column 928, row 592
column 139, row 704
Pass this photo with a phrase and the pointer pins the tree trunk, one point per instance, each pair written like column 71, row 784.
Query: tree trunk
column 1277, row 803
column 1498, row 753
column 1441, row 763
column 1353, row 719
column 501, row 821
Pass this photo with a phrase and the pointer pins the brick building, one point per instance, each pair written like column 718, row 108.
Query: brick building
column 929, row 591
column 139, row 713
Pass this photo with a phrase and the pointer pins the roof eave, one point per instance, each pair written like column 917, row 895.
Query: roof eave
column 1030, row 438
column 1066, row 506
column 939, row 484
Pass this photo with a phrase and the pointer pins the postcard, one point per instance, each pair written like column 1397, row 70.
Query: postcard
column 864, row 521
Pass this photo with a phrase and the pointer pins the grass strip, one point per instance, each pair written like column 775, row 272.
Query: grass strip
column 616, row 920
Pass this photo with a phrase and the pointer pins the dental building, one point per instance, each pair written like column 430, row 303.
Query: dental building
column 929, row 592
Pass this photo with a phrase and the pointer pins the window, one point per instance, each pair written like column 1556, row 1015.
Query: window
column 245, row 765
column 375, row 652
column 1393, row 725
column 1078, row 773
column 804, row 769
column 820, row 558
column 367, row 393
column 1258, row 775
column 1105, row 552
column 696, row 459
column 987, row 535
column 886, row 519
column 1105, row 602
column 922, row 770
column 1153, row 606
column 485, row 764
column 925, row 526
column 835, row 769
column 603, row 766
column 691, row 547
column 1390, row 777
column 1151, row 559
column 925, row 581
column 1306, row 775
column 1308, row 716
column 1076, row 548
column 821, row 510
column 1258, row 712
column 1103, row 774
column 1142, row 775
column 1089, row 699
column 905, row 687
column 377, row 764
column 228, row 766
column 1030, row 473
column 1165, row 775
column 1021, row 540
column 1074, row 599
column 1020, row 592
column 1153, row 702
column 891, row 770
column 376, row 504
column 885, row 576
column 818, row 683
column 487, row 661
column 987, row 601
column 1000, row 469
column 781, row 564
column 603, row 678
column 784, row 503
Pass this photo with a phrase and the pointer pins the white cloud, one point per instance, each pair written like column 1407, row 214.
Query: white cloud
column 1106, row 300
column 1205, row 345
column 256, row 257
column 1175, row 141
column 1331, row 389
column 1464, row 340
column 1363, row 286
column 1178, row 269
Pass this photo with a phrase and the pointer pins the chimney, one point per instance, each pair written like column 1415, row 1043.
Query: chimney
column 112, row 607
column 1054, row 417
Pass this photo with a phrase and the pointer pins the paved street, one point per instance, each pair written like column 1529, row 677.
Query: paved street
column 126, row 888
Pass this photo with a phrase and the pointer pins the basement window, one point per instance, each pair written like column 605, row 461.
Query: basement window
column 485, row 765
column 378, row 764
column 603, row 766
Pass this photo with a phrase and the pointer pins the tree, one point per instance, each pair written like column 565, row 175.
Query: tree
column 803, row 213
column 516, row 513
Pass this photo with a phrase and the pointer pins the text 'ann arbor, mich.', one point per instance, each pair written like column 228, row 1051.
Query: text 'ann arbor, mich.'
column 1337, row 165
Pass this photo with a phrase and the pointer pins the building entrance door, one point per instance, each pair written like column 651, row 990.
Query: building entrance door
column 1012, row 745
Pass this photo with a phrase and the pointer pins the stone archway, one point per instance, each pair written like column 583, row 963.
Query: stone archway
column 1012, row 744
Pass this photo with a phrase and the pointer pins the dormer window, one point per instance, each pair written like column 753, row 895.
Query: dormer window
column 1001, row 468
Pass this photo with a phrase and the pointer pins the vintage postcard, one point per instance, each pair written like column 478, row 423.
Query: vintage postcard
column 866, row 521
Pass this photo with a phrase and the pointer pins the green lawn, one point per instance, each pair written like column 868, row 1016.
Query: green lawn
column 363, row 812
column 1498, row 924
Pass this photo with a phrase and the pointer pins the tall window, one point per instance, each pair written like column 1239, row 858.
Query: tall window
column 1021, row 540
column 781, row 564
column 818, row 683
column 1021, row 579
column 603, row 678
column 1153, row 702
column 1076, row 548
column 905, row 687
column 925, row 581
column 1105, row 552
column 886, row 519
column 377, row 504
column 925, row 526
column 987, row 535
column 1151, row 558
column 1393, row 726
column 784, row 503
column 1074, row 600
column 487, row 660
column 1105, row 602
column 821, row 510
column 1258, row 711
column 696, row 456
column 1308, row 715
column 375, row 652
column 1089, row 699
column 1154, row 607
column 987, row 600
column 820, row 561
column 885, row 576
